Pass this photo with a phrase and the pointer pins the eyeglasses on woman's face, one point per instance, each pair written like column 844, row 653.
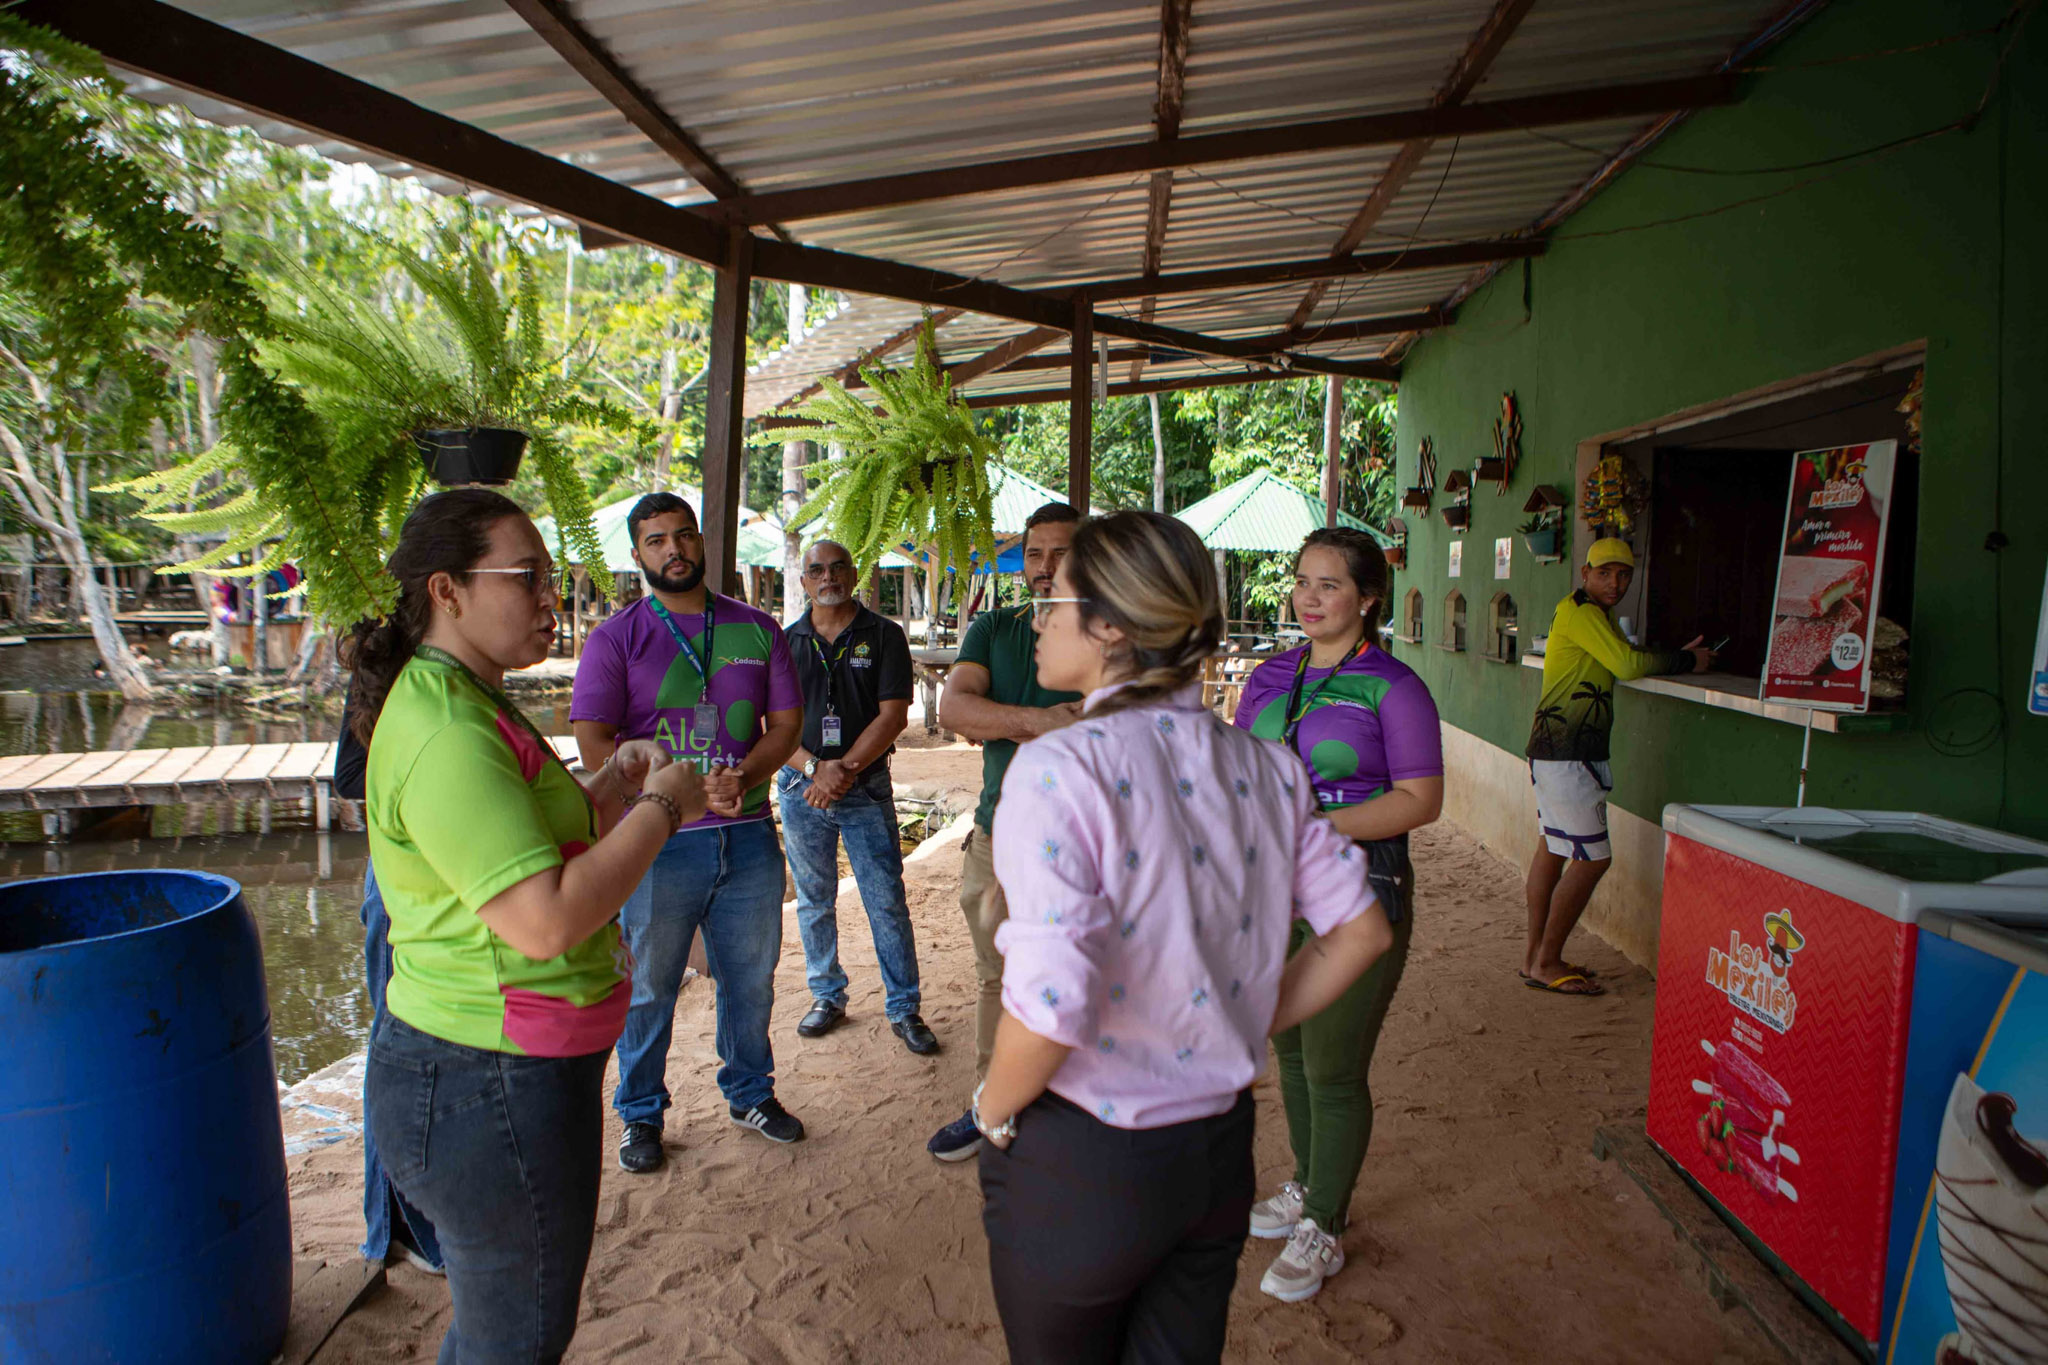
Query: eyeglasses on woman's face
column 538, row 578
column 1042, row 608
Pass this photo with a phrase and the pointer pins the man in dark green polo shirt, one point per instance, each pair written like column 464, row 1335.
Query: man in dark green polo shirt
column 992, row 695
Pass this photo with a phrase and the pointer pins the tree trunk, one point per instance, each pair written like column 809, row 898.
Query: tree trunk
column 671, row 412
column 794, row 456
column 1158, row 458
column 121, row 666
column 205, row 380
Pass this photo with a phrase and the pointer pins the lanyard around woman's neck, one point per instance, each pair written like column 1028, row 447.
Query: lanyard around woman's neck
column 1297, row 706
column 435, row 654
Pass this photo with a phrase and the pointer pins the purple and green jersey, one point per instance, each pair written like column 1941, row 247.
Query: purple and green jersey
column 634, row 676
column 1363, row 726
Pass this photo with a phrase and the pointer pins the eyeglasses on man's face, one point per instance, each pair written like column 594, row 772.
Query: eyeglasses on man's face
column 538, row 578
column 837, row 568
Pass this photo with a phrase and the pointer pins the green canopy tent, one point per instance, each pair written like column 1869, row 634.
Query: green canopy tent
column 1261, row 514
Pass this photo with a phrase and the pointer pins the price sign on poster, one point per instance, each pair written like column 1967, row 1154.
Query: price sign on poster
column 1828, row 570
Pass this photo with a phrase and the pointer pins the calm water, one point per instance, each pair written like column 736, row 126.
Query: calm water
column 304, row 888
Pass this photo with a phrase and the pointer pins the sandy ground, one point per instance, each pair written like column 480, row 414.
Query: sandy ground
column 1483, row 1228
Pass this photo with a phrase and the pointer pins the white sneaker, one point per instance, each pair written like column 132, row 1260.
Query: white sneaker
column 1311, row 1257
column 1276, row 1217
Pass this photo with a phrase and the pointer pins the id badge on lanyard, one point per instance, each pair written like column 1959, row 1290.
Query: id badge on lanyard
column 704, row 716
column 831, row 730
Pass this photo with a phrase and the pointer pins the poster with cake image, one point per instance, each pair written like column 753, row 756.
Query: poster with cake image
column 1826, row 607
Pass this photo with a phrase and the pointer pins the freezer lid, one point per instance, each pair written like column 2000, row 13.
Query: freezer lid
column 2026, row 948
column 1899, row 863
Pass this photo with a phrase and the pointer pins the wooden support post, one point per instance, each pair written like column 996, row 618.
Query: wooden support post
column 725, row 417
column 323, row 805
column 1333, row 447
column 1223, row 585
column 903, row 604
column 1080, row 406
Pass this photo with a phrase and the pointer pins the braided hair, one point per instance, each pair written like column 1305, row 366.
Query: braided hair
column 1151, row 577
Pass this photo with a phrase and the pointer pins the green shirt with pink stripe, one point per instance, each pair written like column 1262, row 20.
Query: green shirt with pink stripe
column 463, row 804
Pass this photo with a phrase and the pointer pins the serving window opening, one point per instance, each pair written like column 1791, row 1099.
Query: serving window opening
column 1710, row 528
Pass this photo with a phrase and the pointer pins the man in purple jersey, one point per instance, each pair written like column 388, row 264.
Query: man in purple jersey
column 709, row 679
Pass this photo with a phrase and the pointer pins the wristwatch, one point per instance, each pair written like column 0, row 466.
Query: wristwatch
column 810, row 767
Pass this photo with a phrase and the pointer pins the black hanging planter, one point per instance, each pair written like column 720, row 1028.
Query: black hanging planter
column 487, row 455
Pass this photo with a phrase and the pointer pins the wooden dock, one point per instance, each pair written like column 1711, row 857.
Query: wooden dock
column 54, row 783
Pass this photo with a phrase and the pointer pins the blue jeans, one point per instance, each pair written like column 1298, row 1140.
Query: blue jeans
column 503, row 1152
column 727, row 882
column 866, row 819
column 379, row 1198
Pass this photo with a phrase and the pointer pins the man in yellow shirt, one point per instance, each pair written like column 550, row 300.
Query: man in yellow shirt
column 1567, row 752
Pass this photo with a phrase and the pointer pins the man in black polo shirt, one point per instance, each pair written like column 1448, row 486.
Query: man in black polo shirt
column 854, row 667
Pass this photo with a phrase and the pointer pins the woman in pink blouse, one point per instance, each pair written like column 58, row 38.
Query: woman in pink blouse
column 1155, row 860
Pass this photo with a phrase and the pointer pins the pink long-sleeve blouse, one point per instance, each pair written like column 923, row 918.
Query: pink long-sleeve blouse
column 1154, row 860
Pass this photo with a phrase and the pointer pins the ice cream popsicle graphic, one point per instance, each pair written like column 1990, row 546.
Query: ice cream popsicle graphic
column 1991, row 1191
column 1742, row 1122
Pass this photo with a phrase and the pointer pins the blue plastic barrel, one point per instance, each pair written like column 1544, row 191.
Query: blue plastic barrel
column 143, row 1213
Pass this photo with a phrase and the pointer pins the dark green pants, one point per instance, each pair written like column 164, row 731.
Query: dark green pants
column 1323, row 1064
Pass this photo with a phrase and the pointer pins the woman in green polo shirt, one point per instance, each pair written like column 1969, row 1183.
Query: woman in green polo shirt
column 502, row 875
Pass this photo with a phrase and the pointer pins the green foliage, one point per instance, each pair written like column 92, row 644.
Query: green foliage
column 476, row 356
column 915, row 472
column 83, row 233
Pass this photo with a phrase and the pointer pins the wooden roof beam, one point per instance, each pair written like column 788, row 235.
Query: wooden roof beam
column 849, row 374
column 1212, row 380
column 195, row 54
column 590, row 59
column 1166, row 112
column 947, row 182
column 1033, row 397
column 1317, row 268
column 1465, row 76
column 1003, row 355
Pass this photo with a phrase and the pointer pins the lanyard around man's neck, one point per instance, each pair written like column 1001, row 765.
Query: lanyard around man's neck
column 703, row 665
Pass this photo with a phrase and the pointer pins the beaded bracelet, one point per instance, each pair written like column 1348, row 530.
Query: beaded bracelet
column 675, row 814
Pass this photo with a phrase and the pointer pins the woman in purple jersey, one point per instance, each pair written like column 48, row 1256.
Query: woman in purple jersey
column 1364, row 726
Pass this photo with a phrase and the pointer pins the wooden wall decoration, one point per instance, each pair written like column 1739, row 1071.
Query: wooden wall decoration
column 1507, row 445
column 1425, row 478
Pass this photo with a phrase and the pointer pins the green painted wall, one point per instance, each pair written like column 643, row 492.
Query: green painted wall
column 1945, row 240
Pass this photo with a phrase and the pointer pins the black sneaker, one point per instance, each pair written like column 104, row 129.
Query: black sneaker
column 918, row 1038
column 771, row 1121
column 640, row 1148
column 824, row 1016
column 957, row 1141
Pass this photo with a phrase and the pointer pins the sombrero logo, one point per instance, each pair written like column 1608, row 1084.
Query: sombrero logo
column 1757, row 980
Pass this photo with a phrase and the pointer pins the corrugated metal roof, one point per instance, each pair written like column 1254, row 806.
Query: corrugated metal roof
column 788, row 93
column 1261, row 512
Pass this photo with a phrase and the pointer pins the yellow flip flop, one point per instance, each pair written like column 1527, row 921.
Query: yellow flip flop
column 1559, row 987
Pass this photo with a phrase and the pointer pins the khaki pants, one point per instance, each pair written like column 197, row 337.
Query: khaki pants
column 981, row 900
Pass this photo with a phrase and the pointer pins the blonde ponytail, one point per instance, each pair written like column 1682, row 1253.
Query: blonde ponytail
column 1151, row 577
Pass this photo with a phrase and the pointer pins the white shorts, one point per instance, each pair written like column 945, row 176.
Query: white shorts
column 1571, row 807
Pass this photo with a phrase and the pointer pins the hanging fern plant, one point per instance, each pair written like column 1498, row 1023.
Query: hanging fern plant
column 916, row 466
column 316, row 463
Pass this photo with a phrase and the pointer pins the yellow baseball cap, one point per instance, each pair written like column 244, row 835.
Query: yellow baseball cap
column 1610, row 551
